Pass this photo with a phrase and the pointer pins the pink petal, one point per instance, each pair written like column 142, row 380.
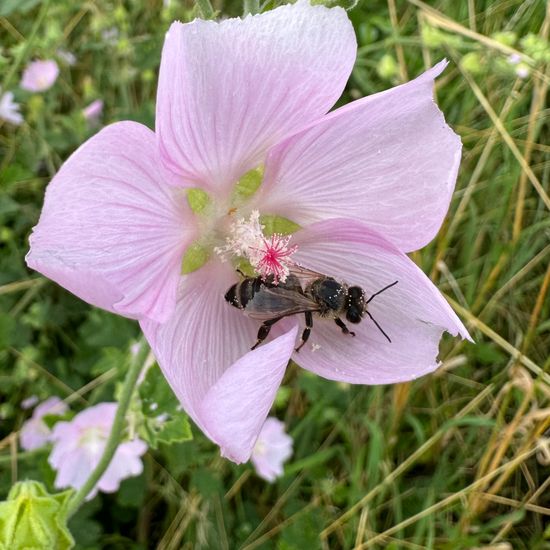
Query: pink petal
column 126, row 463
column 413, row 312
column 35, row 433
column 204, row 352
column 235, row 408
column 39, row 76
column 73, row 470
column 111, row 230
column 228, row 91
column 273, row 448
column 389, row 160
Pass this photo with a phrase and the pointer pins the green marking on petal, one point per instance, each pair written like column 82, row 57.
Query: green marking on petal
column 249, row 183
column 277, row 224
column 194, row 258
column 246, row 267
column 198, row 199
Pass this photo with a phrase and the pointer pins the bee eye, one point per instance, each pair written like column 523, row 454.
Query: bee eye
column 353, row 315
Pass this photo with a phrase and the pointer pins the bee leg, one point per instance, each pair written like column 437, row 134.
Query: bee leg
column 342, row 325
column 264, row 331
column 307, row 330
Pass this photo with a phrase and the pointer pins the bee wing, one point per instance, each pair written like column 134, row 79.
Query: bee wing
column 271, row 302
column 305, row 275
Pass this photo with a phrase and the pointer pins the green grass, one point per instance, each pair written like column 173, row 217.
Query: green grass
column 451, row 461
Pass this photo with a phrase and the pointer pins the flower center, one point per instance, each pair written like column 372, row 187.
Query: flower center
column 93, row 439
column 256, row 244
column 268, row 256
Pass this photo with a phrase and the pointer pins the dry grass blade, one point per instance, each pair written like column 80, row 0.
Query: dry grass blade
column 511, row 465
column 500, row 341
column 438, row 19
column 507, row 138
column 404, row 466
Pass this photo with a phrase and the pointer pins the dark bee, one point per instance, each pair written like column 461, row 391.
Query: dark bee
column 304, row 291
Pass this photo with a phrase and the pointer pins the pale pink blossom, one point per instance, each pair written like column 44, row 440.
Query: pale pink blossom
column 79, row 444
column 9, row 109
column 29, row 402
column 367, row 183
column 67, row 56
column 272, row 449
column 39, row 76
column 520, row 68
column 93, row 112
column 35, row 433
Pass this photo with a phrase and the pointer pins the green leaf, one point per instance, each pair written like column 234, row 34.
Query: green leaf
column 52, row 419
column 194, row 258
column 163, row 421
column 32, row 518
column 277, row 224
column 132, row 492
column 198, row 199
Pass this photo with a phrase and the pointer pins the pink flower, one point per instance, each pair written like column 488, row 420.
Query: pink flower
column 79, row 444
column 9, row 109
column 92, row 113
column 366, row 182
column 39, row 76
column 29, row 402
column 35, row 433
column 272, row 449
column 66, row 56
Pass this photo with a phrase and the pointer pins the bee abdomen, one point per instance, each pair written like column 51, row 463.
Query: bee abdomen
column 232, row 296
column 241, row 293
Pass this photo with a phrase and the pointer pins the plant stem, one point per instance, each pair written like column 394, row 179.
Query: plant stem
column 205, row 9
column 116, row 431
column 23, row 455
column 14, row 66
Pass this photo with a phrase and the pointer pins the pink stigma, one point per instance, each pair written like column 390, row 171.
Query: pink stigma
column 273, row 258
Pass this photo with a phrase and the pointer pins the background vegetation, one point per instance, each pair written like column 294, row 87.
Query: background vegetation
column 458, row 459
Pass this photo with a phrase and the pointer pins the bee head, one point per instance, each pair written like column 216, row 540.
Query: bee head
column 356, row 304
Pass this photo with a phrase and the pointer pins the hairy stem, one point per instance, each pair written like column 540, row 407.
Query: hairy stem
column 205, row 9
column 116, row 431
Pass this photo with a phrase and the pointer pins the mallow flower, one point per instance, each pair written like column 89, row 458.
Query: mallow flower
column 35, row 433
column 93, row 112
column 79, row 444
column 9, row 109
column 39, row 75
column 271, row 450
column 144, row 223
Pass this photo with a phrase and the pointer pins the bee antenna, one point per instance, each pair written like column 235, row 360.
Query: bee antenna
column 376, row 323
column 380, row 292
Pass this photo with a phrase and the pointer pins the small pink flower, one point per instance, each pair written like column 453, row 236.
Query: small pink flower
column 35, row 433
column 9, row 109
column 272, row 449
column 92, row 113
column 79, row 444
column 39, row 76
column 67, row 56
column 367, row 183
column 29, row 402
